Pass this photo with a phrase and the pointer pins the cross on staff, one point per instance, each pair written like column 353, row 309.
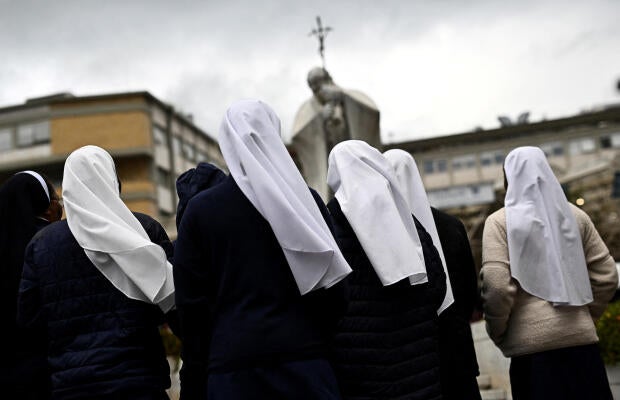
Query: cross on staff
column 320, row 32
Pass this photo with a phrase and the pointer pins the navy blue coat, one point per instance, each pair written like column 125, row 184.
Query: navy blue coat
column 386, row 346
column 101, row 343
column 238, row 304
column 459, row 366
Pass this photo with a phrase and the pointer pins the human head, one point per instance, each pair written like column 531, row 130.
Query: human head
column 193, row 181
column 22, row 198
column 265, row 173
column 53, row 213
column 407, row 174
column 317, row 77
column 528, row 164
column 94, row 167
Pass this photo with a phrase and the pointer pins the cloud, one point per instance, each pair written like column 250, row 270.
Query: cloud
column 432, row 67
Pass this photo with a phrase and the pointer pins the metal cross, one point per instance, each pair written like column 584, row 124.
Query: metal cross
column 320, row 33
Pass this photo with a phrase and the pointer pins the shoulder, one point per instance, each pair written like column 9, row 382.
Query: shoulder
column 54, row 231
column 152, row 227
column 144, row 219
column 580, row 215
column 445, row 219
column 496, row 217
column 496, row 221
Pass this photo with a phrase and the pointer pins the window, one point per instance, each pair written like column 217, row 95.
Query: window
column 442, row 165
column 162, row 177
column 615, row 140
column 176, row 145
column 32, row 133
column 188, row 151
column 6, row 139
column 428, row 166
column 605, row 142
column 552, row 149
column 201, row 157
column 433, row 166
column 489, row 158
column 159, row 136
column 463, row 162
column 580, row 146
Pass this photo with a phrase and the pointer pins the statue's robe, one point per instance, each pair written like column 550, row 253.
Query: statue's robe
column 309, row 145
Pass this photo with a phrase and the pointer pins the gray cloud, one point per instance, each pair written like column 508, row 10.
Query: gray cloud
column 433, row 67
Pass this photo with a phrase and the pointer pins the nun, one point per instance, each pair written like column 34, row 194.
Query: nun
column 458, row 364
column 28, row 203
column 258, row 274
column 101, row 282
column 194, row 181
column 546, row 277
column 386, row 345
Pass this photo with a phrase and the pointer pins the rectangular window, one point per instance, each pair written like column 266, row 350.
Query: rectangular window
column 162, row 177
column 33, row 133
column 176, row 145
column 552, row 149
column 464, row 162
column 442, row 165
column 6, row 139
column 615, row 140
column 159, row 136
column 201, row 157
column 605, row 142
column 188, row 151
column 428, row 167
column 489, row 158
column 580, row 146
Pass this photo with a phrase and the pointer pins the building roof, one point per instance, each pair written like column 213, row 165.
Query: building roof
column 606, row 114
column 68, row 98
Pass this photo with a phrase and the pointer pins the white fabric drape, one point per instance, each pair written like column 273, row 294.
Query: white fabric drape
column 544, row 243
column 411, row 186
column 267, row 176
column 365, row 186
column 111, row 236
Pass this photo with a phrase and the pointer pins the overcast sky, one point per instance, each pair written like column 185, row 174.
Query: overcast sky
column 433, row 67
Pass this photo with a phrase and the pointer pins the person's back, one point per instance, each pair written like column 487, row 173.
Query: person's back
column 546, row 277
column 386, row 346
column 459, row 366
column 257, row 315
column 101, row 343
column 526, row 324
column 253, row 260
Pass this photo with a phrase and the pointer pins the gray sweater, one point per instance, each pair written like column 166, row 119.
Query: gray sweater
column 520, row 323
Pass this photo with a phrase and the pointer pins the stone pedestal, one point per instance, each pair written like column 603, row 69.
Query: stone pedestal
column 613, row 374
column 490, row 359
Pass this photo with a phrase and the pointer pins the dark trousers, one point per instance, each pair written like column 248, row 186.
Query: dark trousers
column 572, row 373
column 299, row 380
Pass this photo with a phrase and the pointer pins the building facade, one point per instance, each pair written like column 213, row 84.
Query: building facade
column 150, row 141
column 463, row 173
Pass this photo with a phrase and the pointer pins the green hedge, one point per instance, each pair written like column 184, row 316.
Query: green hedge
column 608, row 329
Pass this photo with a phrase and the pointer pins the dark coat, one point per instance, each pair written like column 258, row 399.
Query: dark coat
column 238, row 303
column 23, row 371
column 386, row 346
column 459, row 366
column 101, row 343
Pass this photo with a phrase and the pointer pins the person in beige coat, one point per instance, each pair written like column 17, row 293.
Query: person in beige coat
column 546, row 277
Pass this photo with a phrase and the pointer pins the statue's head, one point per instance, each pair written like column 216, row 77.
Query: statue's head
column 317, row 77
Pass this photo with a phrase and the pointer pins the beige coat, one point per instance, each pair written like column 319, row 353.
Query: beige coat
column 520, row 323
